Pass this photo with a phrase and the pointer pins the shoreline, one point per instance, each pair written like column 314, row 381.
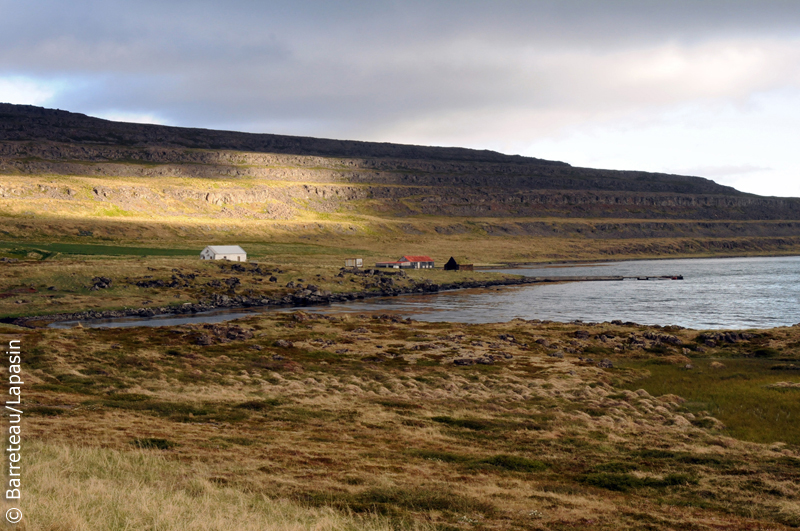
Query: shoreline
column 304, row 298
column 243, row 302
column 576, row 263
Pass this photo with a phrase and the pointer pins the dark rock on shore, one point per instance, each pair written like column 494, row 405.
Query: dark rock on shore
column 712, row 339
column 304, row 297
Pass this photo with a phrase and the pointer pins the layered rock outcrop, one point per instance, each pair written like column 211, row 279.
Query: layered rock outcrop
column 274, row 177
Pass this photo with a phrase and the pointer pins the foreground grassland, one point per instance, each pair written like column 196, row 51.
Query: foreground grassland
column 304, row 421
column 98, row 488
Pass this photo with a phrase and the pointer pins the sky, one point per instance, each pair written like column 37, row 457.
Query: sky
column 702, row 87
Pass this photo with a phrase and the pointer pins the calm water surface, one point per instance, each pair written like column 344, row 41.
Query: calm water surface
column 715, row 293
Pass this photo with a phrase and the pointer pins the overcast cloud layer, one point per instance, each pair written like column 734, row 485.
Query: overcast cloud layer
column 701, row 87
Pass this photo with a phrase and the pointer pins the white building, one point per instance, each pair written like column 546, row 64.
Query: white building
column 409, row 262
column 224, row 252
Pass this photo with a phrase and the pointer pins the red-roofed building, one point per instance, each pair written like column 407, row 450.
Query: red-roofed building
column 409, row 262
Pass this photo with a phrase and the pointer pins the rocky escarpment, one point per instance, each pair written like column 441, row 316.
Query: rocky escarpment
column 35, row 138
column 36, row 157
column 284, row 198
column 66, row 162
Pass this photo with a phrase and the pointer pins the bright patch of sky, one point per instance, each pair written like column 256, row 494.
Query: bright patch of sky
column 752, row 146
column 22, row 90
column 130, row 117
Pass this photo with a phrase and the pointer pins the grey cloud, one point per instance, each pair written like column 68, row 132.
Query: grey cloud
column 333, row 68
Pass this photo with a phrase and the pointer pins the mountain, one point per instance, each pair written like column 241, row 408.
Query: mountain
column 24, row 123
column 57, row 164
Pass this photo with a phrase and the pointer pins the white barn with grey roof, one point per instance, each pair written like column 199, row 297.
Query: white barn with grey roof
column 224, row 252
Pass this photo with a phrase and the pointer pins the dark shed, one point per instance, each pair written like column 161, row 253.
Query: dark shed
column 451, row 265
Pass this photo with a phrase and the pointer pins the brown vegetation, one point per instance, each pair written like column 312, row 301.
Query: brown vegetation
column 371, row 414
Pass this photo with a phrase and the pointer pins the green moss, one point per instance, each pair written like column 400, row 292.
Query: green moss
column 99, row 250
column 46, row 411
column 737, row 395
column 615, row 467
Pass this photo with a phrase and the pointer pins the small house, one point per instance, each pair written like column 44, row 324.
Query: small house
column 452, row 265
column 224, row 252
column 409, row 262
column 354, row 263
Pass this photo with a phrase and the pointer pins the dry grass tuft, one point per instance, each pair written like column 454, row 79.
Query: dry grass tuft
column 77, row 489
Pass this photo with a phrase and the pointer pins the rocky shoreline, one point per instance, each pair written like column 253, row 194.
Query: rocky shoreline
column 301, row 297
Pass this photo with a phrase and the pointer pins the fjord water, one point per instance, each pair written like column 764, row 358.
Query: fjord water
column 718, row 293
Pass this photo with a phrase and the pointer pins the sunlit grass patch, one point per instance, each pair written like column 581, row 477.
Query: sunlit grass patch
column 738, row 394
column 440, row 455
column 96, row 488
